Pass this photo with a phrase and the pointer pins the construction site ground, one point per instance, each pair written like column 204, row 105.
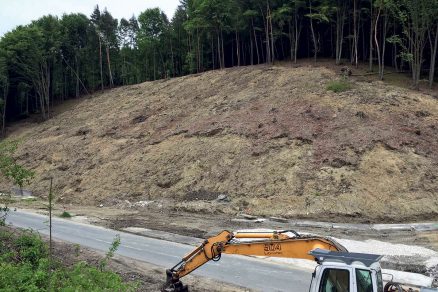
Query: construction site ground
column 272, row 140
column 410, row 250
column 201, row 153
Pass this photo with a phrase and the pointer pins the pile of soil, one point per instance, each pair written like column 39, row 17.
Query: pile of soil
column 272, row 140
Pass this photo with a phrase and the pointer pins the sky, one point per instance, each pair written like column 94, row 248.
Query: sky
column 22, row 12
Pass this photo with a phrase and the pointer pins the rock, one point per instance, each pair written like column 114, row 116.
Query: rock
column 249, row 217
column 279, row 219
column 223, row 198
column 142, row 203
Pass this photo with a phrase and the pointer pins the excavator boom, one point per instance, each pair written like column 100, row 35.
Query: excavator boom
column 285, row 243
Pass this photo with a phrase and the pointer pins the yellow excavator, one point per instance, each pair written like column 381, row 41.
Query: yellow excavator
column 337, row 271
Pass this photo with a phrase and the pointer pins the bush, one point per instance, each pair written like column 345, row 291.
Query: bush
column 65, row 214
column 339, row 85
column 24, row 266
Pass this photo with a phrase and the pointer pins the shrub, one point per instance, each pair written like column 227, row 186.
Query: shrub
column 65, row 214
column 339, row 85
column 24, row 266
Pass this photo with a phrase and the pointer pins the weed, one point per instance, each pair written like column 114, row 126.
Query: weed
column 65, row 214
column 339, row 85
column 113, row 248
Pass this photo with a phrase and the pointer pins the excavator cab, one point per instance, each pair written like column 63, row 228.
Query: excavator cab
column 346, row 272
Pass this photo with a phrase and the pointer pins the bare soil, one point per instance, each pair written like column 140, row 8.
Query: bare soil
column 273, row 140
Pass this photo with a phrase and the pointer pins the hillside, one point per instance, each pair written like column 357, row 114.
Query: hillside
column 272, row 139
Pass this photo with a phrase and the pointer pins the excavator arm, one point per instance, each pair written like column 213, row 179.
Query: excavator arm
column 285, row 244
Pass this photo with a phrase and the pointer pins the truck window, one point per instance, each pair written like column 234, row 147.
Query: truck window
column 335, row 280
column 364, row 281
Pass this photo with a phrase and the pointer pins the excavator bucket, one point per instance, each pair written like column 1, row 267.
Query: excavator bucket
column 173, row 285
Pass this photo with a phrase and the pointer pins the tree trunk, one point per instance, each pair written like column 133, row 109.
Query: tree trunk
column 291, row 41
column 268, row 49
column 155, row 65
column 371, row 37
column 382, row 58
column 198, row 52
column 315, row 45
column 219, row 50
column 297, row 36
column 100, row 62
column 340, row 21
column 272, row 36
column 256, row 42
column 237, row 49
column 375, row 39
column 251, row 49
column 5, row 99
column 395, row 63
column 433, row 57
column 77, row 77
column 355, row 32
column 212, row 52
column 172, row 59
column 109, row 66
column 223, row 53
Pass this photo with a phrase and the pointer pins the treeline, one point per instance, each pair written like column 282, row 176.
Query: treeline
column 53, row 58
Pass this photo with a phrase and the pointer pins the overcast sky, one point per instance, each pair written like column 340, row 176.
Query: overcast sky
column 17, row 12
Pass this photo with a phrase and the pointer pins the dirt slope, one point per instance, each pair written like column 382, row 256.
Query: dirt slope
column 273, row 139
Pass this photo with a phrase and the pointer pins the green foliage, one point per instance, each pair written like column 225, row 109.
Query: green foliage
column 339, row 85
column 12, row 169
column 65, row 214
column 112, row 249
column 3, row 214
column 24, row 266
column 53, row 59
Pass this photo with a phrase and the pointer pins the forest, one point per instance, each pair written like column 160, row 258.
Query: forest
column 58, row 58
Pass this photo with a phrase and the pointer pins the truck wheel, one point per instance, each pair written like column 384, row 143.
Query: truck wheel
column 392, row 287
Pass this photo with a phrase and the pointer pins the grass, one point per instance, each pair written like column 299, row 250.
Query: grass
column 65, row 214
column 338, row 85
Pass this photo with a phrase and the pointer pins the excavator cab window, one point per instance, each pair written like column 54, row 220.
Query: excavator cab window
column 335, row 280
column 364, row 281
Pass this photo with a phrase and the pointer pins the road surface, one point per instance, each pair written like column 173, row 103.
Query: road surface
column 238, row 270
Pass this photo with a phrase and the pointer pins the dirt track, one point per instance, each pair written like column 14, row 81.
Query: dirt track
column 272, row 139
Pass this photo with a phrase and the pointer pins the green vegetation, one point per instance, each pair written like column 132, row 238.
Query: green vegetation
column 65, row 214
column 10, row 168
column 339, row 85
column 24, row 266
column 53, row 59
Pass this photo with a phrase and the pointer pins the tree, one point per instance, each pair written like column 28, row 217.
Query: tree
column 74, row 40
column 318, row 14
column 95, row 20
column 341, row 11
column 10, row 168
column 4, row 88
column 25, row 49
column 152, row 25
column 416, row 17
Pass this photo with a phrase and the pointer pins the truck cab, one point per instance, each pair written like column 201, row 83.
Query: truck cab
column 346, row 272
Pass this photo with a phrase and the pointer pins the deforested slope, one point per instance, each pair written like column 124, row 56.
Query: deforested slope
column 272, row 139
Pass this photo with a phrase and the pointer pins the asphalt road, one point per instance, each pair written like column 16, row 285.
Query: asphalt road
column 238, row 270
